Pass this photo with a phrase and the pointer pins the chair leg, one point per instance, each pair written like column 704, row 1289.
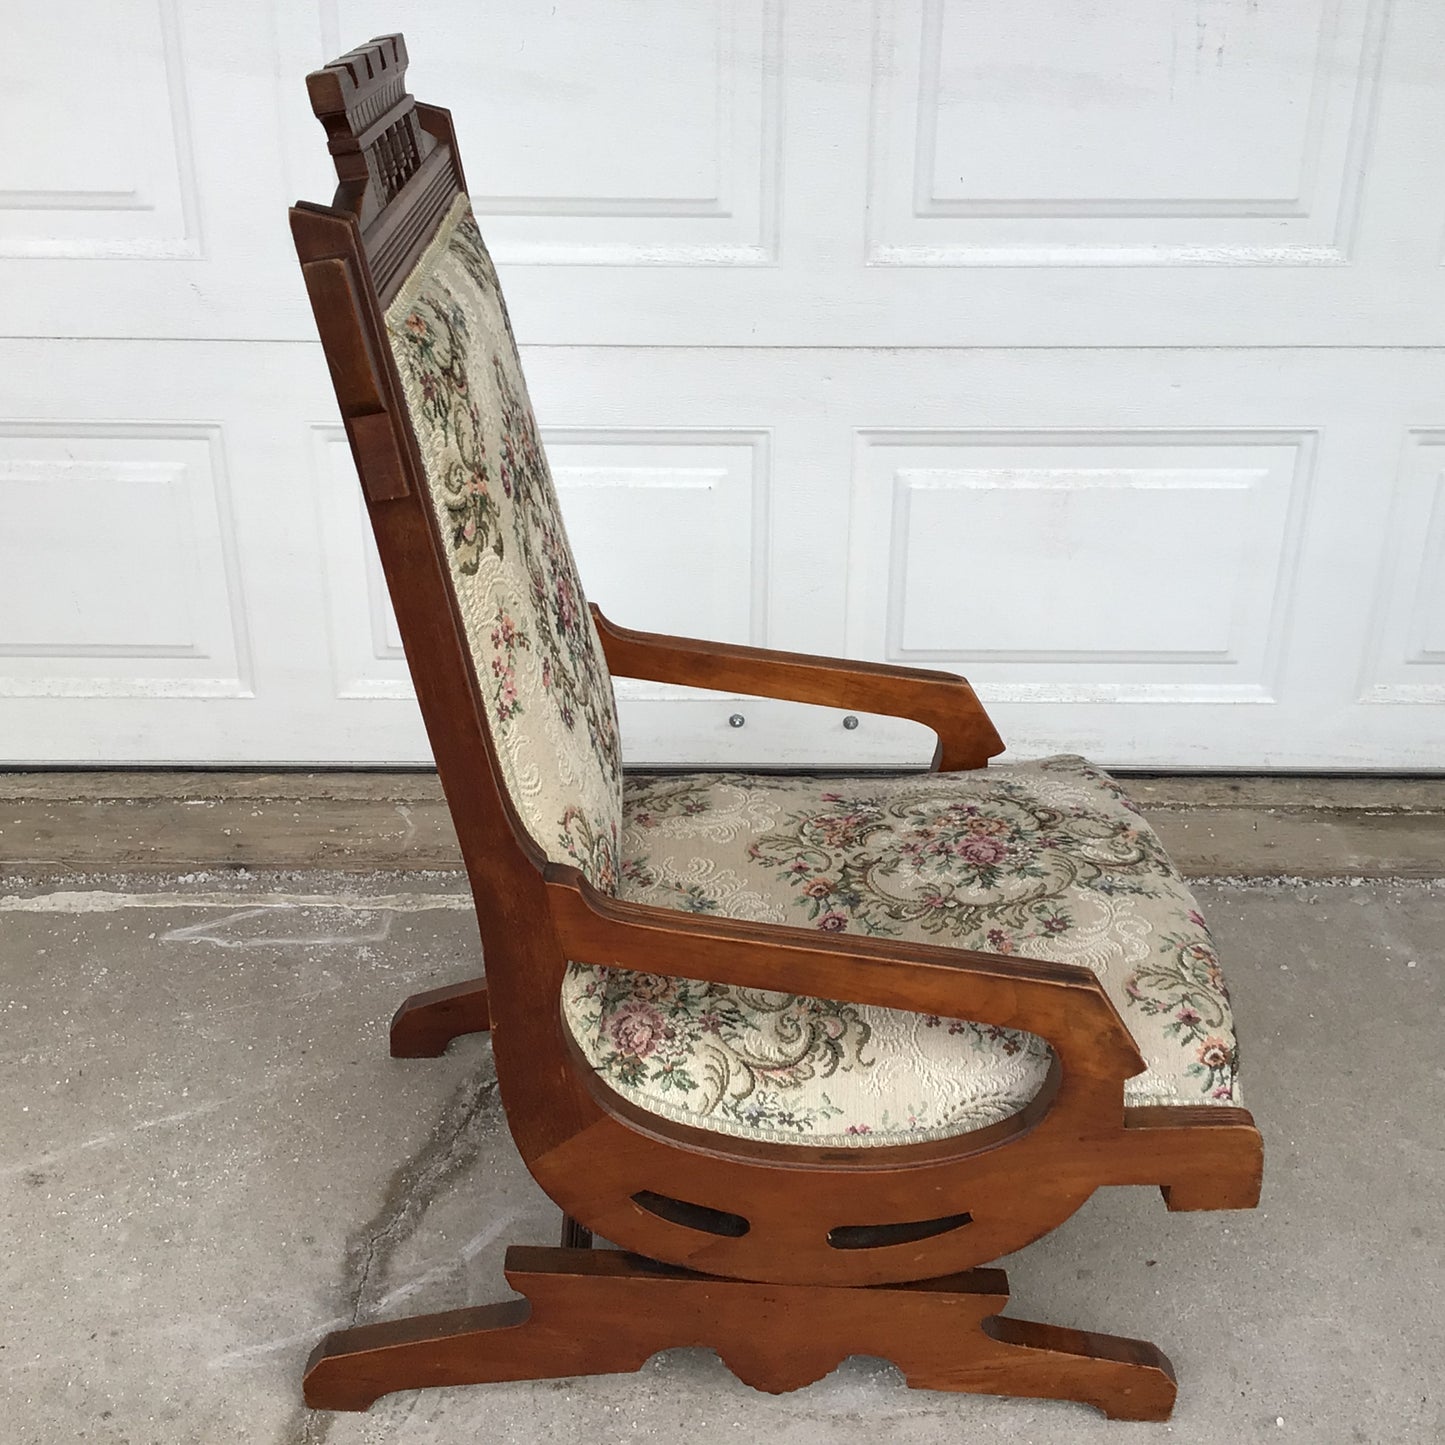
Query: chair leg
column 1125, row 1379
column 427, row 1022
column 590, row 1312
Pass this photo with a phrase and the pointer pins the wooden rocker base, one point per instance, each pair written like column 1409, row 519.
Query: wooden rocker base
column 594, row 1312
column 427, row 1022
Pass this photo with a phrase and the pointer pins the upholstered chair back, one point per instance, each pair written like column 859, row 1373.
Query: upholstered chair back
column 545, row 686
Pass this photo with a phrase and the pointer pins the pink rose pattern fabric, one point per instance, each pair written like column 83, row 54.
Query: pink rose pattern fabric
column 537, row 656
column 1044, row 860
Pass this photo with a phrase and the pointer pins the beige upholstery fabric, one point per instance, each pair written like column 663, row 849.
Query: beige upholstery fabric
column 536, row 652
column 1045, row 860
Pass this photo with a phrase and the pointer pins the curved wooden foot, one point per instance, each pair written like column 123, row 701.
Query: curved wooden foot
column 427, row 1022
column 591, row 1312
column 1126, row 1379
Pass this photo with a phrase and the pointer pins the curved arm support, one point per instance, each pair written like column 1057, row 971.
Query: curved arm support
column 1064, row 1004
column 939, row 700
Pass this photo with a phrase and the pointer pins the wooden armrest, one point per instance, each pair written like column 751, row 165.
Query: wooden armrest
column 939, row 700
column 1062, row 1003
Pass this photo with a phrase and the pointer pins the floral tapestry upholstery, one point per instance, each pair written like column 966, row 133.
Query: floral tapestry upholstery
column 537, row 656
column 1044, row 860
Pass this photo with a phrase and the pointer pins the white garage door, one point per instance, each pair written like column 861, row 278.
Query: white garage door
column 1087, row 349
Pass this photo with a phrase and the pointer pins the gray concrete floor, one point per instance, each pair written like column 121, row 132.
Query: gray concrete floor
column 207, row 1160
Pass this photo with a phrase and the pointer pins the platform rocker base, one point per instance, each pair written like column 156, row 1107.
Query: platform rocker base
column 596, row 1312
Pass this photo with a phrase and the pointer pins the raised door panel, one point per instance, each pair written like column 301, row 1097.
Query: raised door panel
column 1138, row 133
column 638, row 135
column 1100, row 565
column 98, row 161
column 1406, row 660
column 120, row 577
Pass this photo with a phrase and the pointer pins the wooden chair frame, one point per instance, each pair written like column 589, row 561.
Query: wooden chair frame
column 784, row 1258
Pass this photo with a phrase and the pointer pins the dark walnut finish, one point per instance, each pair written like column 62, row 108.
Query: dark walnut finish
column 783, row 1258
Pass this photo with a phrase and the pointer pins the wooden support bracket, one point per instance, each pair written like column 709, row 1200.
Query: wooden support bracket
column 594, row 1312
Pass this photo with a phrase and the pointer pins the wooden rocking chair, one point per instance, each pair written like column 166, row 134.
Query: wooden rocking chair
column 1031, row 1007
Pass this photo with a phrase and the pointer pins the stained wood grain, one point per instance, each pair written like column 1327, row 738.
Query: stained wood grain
column 589, row 1312
column 940, row 700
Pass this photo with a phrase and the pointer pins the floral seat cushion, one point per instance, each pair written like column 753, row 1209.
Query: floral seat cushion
column 1045, row 860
